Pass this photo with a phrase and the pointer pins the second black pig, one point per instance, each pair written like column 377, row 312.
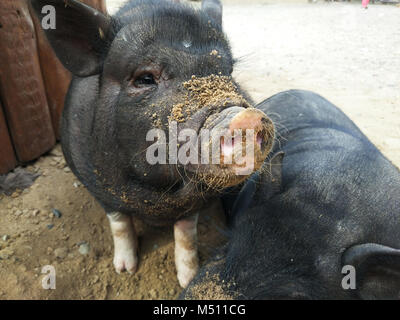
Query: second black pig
column 321, row 222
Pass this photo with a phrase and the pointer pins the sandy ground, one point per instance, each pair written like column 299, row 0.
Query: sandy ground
column 347, row 54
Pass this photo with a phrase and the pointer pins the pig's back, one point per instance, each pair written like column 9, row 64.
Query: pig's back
column 299, row 109
column 332, row 174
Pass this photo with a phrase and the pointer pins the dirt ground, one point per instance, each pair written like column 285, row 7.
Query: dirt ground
column 347, row 54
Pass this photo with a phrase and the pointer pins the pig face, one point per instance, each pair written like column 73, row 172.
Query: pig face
column 180, row 79
column 156, row 67
column 178, row 70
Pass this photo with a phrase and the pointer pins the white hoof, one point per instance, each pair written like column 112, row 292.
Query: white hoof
column 125, row 242
column 126, row 261
column 186, row 274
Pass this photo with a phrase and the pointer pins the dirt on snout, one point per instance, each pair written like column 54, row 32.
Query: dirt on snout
column 206, row 91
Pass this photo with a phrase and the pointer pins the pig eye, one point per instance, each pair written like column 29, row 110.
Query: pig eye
column 144, row 80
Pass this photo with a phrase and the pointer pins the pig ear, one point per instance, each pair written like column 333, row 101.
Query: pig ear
column 78, row 36
column 377, row 270
column 214, row 9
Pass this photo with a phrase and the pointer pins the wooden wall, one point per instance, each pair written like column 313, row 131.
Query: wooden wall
column 33, row 84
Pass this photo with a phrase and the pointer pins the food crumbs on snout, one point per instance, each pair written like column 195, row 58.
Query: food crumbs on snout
column 214, row 53
column 212, row 91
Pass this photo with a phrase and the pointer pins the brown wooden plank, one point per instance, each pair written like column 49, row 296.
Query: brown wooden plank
column 7, row 156
column 56, row 78
column 21, row 84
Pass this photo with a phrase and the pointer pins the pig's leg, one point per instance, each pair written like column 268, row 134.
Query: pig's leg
column 125, row 242
column 186, row 258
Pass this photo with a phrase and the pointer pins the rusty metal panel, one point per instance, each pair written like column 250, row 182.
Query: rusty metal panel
column 21, row 84
column 7, row 156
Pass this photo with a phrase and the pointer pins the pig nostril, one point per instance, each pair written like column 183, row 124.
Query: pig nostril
column 260, row 139
column 227, row 145
column 265, row 121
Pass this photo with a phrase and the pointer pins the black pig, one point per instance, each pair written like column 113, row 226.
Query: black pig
column 323, row 223
column 154, row 65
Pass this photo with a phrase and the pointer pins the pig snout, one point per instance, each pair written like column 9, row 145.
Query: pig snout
column 241, row 139
column 255, row 121
column 232, row 139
